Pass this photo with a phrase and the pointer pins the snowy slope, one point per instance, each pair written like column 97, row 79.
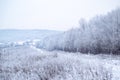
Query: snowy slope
column 9, row 35
column 29, row 63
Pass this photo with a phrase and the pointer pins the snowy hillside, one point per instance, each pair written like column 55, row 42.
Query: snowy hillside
column 59, row 40
column 57, row 55
column 29, row 63
column 9, row 35
column 10, row 38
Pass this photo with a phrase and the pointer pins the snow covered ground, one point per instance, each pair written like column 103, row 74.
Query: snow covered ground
column 29, row 63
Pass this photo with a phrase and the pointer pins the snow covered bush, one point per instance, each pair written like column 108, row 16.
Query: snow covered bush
column 23, row 63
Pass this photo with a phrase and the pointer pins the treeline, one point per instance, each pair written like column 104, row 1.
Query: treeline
column 101, row 34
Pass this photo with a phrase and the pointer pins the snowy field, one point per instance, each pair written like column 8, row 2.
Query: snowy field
column 29, row 63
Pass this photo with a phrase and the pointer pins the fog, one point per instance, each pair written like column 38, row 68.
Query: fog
column 50, row 14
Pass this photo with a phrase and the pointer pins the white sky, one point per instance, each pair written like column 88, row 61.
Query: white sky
column 50, row 14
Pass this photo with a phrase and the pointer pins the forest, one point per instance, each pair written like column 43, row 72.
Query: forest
column 101, row 34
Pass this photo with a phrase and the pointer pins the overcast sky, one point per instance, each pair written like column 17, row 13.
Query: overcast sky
column 50, row 14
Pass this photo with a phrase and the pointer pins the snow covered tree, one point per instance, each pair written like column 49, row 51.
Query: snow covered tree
column 100, row 35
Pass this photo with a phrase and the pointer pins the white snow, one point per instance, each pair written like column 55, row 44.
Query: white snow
column 29, row 63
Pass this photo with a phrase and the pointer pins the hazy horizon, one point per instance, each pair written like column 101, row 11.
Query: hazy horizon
column 32, row 29
column 51, row 14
